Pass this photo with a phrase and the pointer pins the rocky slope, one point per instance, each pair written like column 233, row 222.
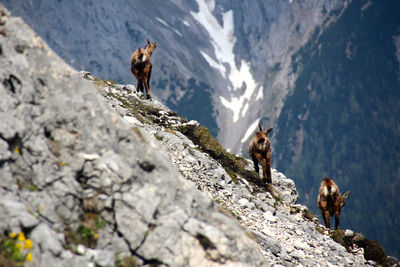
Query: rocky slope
column 73, row 173
column 89, row 185
column 286, row 232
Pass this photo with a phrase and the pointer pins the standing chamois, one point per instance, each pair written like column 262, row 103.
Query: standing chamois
column 141, row 66
column 260, row 151
column 330, row 201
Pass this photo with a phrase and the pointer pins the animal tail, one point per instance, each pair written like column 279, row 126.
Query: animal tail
column 140, row 56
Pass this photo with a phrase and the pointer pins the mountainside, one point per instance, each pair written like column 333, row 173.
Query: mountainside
column 342, row 119
column 324, row 74
column 84, row 185
column 226, row 64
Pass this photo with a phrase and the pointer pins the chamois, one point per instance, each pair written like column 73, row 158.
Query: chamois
column 330, row 201
column 260, row 152
column 141, row 66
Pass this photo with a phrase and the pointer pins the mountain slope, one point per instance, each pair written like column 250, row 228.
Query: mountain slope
column 83, row 186
column 342, row 119
column 88, row 185
column 215, row 62
column 342, row 127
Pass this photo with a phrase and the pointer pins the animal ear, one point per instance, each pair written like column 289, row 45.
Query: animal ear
column 344, row 198
column 269, row 130
column 259, row 127
column 148, row 41
column 155, row 44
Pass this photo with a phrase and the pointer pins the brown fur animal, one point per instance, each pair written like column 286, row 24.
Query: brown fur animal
column 141, row 66
column 330, row 202
column 260, row 152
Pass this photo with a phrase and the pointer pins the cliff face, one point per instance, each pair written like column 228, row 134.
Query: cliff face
column 89, row 185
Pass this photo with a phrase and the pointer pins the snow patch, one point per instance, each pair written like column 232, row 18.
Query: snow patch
column 212, row 62
column 251, row 130
column 186, row 23
column 167, row 26
column 223, row 40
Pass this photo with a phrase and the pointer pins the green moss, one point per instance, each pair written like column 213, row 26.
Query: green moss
column 86, row 233
column 233, row 165
column 308, row 215
column 82, row 235
column 158, row 137
column 126, row 261
column 124, row 102
column 338, row 237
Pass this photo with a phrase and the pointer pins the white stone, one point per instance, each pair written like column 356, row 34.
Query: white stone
column 80, row 249
column 269, row 216
column 348, row 233
column 243, row 202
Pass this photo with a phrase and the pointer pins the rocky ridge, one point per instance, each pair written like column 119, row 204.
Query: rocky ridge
column 287, row 234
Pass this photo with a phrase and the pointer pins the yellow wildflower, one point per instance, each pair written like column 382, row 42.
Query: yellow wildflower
column 28, row 244
column 16, row 150
column 21, row 237
column 12, row 235
column 18, row 246
column 29, row 257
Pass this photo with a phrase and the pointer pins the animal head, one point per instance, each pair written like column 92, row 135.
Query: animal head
column 262, row 140
column 150, row 47
column 343, row 199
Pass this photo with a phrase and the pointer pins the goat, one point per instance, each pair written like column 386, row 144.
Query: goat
column 330, row 202
column 260, row 152
column 141, row 66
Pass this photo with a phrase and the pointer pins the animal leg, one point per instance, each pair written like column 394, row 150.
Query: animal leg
column 264, row 167
column 337, row 220
column 255, row 161
column 268, row 169
column 139, row 85
column 326, row 216
column 147, row 84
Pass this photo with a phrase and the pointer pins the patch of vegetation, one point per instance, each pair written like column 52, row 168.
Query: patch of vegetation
column 338, row 236
column 15, row 250
column 158, row 137
column 233, row 165
column 99, row 82
column 308, row 215
column 126, row 261
column 124, row 102
column 86, row 233
column 372, row 249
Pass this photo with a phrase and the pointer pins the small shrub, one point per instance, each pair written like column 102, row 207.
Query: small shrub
column 15, row 250
column 86, row 233
column 338, row 237
column 126, row 261
column 308, row 215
